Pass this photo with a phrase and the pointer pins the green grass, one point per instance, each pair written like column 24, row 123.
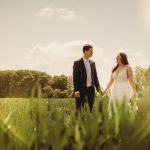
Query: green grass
column 51, row 124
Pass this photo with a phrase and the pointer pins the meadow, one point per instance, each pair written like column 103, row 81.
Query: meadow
column 52, row 124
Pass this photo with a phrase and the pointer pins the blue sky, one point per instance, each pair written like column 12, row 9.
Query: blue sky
column 48, row 35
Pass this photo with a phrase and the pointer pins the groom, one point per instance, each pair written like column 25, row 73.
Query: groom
column 85, row 79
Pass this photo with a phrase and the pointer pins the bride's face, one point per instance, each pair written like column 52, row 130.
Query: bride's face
column 118, row 59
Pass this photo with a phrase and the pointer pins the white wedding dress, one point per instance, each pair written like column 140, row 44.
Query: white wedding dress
column 121, row 88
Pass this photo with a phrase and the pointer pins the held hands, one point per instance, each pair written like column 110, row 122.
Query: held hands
column 77, row 94
column 96, row 94
column 104, row 93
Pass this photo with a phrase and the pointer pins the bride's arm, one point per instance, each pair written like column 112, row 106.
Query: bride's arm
column 108, row 86
column 130, row 77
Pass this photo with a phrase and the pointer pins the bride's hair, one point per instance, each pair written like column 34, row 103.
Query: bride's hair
column 124, row 60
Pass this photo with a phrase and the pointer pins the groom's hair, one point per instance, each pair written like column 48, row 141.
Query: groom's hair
column 86, row 47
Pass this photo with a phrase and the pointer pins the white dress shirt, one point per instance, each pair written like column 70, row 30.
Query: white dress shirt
column 88, row 71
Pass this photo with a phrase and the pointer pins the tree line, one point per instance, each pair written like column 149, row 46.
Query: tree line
column 26, row 83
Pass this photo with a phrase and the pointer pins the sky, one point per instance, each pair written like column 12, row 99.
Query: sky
column 48, row 35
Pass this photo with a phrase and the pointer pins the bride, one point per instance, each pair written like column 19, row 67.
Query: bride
column 121, row 82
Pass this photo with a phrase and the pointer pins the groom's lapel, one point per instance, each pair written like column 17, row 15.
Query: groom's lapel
column 91, row 64
column 83, row 66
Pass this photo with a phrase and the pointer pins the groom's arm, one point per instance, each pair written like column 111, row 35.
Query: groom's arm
column 75, row 77
column 96, row 81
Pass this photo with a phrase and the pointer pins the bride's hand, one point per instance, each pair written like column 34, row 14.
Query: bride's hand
column 104, row 94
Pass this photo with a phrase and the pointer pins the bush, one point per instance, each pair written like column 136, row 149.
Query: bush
column 48, row 92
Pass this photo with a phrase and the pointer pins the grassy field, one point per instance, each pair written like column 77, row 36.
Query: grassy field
column 51, row 124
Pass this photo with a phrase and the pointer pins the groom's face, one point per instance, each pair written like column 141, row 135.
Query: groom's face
column 89, row 52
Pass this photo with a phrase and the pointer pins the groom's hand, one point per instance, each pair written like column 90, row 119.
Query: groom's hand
column 96, row 94
column 77, row 94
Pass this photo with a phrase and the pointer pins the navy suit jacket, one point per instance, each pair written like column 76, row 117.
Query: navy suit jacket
column 80, row 76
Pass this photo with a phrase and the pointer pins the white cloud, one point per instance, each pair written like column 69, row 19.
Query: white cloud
column 58, row 58
column 46, row 12
column 65, row 14
column 61, row 13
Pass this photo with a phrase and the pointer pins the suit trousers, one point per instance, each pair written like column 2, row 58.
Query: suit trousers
column 87, row 97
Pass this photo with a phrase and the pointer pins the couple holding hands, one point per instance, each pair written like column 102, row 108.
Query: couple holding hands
column 85, row 80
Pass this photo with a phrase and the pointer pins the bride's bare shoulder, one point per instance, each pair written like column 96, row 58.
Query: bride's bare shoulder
column 128, row 67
